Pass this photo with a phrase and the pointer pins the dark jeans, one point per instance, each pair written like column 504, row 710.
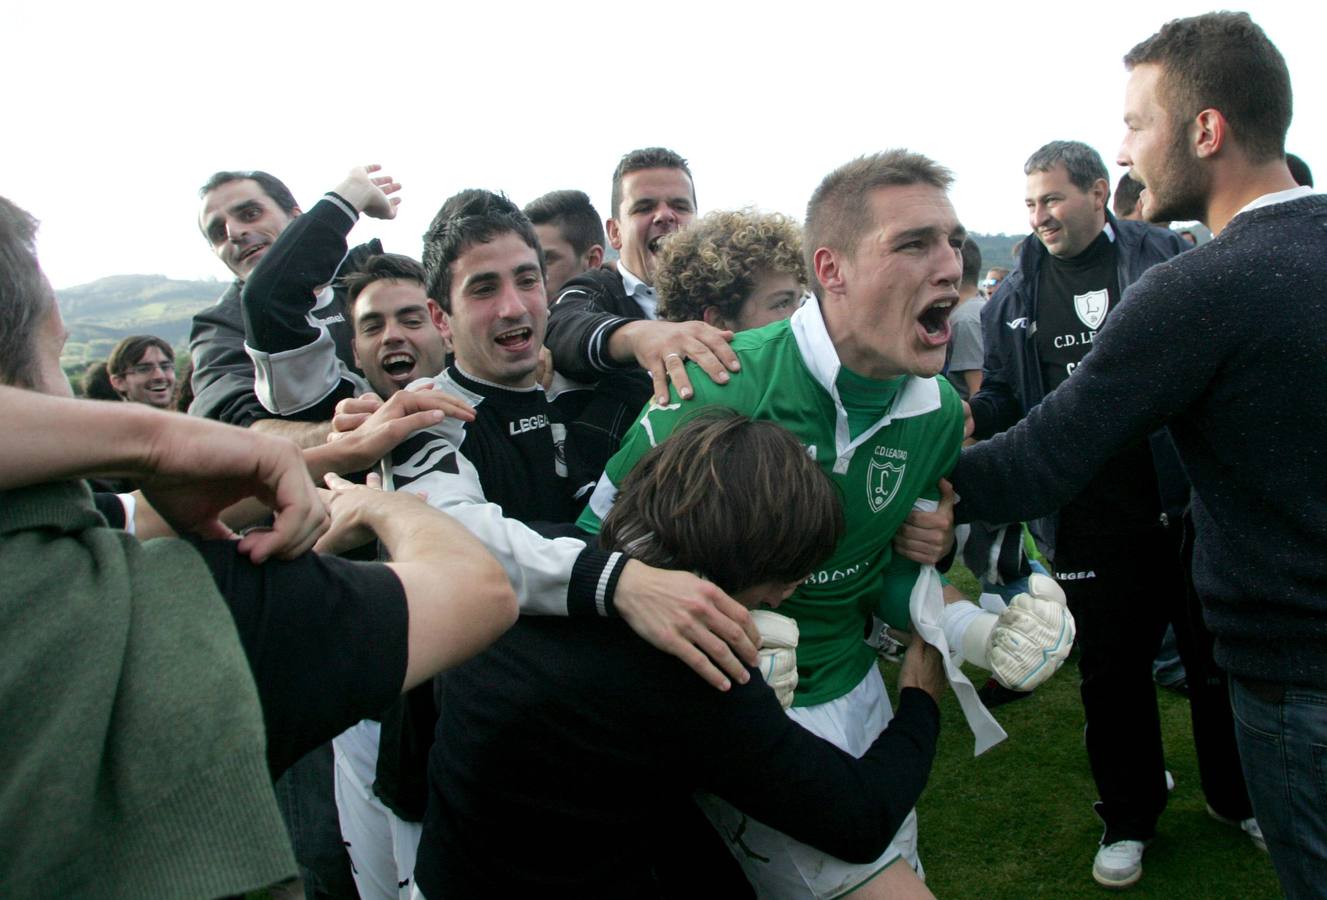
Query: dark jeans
column 307, row 800
column 1123, row 592
column 1282, row 731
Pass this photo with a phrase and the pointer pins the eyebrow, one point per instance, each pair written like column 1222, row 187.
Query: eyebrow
column 213, row 223
column 412, row 310
column 928, row 232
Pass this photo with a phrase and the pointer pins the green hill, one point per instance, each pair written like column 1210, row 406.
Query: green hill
column 102, row 312
column 996, row 249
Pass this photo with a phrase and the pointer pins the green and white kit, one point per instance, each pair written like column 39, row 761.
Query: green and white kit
column 789, row 376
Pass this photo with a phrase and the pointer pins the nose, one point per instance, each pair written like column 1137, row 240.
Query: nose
column 509, row 305
column 950, row 268
column 1037, row 215
column 665, row 215
column 391, row 332
column 236, row 229
column 1122, row 157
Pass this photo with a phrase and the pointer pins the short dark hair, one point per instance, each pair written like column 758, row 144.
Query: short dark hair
column 714, row 499
column 382, row 267
column 1299, row 170
column 717, row 260
column 839, row 212
column 1223, row 61
column 971, row 254
column 1127, row 191
column 572, row 214
column 96, row 382
column 130, row 350
column 272, row 186
column 647, row 158
column 25, row 297
column 473, row 216
column 1083, row 164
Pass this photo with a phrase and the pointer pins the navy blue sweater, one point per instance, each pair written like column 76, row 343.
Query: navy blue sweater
column 1228, row 345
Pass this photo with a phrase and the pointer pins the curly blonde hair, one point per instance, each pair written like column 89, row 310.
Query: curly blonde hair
column 717, row 260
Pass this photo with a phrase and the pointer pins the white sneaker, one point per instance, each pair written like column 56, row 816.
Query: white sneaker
column 1249, row 826
column 1170, row 782
column 1118, row 865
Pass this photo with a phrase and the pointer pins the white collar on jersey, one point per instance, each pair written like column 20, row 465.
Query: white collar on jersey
column 918, row 396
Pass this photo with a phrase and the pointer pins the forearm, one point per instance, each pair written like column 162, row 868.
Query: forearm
column 306, row 435
column 55, row 438
column 283, row 288
column 849, row 808
column 579, row 334
column 458, row 596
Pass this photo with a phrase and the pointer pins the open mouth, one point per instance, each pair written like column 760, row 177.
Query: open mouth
column 933, row 322
column 398, row 365
column 514, row 338
column 249, row 253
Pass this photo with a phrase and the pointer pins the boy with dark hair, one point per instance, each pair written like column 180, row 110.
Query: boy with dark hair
column 570, row 233
column 593, row 738
column 604, row 321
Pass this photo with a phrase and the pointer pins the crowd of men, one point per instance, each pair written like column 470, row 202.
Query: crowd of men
column 550, row 438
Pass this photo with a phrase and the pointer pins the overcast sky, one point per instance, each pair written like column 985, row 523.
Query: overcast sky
column 117, row 112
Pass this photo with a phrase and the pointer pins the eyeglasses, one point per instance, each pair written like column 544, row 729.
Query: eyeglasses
column 149, row 368
column 989, row 283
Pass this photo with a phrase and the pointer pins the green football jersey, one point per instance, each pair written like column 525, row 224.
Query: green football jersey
column 788, row 376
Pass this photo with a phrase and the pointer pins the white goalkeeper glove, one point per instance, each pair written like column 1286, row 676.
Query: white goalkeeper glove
column 1024, row 645
column 778, row 653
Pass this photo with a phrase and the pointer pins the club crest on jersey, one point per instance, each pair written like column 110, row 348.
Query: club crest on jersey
column 1091, row 308
column 883, row 480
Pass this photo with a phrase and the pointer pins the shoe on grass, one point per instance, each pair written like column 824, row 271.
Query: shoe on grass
column 1118, row 865
column 1249, row 826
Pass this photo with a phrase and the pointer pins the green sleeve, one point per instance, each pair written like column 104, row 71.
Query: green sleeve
column 896, row 592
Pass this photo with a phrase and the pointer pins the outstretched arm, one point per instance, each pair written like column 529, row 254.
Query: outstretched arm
column 190, row 469
column 294, row 356
column 457, row 593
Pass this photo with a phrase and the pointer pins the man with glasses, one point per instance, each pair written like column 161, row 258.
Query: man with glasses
column 142, row 370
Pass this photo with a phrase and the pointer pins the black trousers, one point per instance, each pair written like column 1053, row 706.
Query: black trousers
column 1123, row 592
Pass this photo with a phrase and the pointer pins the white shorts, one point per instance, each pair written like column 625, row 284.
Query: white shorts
column 780, row 867
column 382, row 846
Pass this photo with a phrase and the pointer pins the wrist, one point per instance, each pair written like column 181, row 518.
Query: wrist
column 622, row 342
column 351, row 194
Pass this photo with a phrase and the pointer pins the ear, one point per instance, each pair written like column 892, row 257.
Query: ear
column 1100, row 191
column 1209, row 130
column 118, row 382
column 443, row 322
column 614, row 234
column 828, row 265
column 594, row 257
column 712, row 316
column 436, row 315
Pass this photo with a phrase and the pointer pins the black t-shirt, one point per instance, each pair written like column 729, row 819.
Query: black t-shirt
column 562, row 743
column 1074, row 298
column 326, row 639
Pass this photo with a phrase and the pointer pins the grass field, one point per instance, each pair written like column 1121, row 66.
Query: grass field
column 1018, row 821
